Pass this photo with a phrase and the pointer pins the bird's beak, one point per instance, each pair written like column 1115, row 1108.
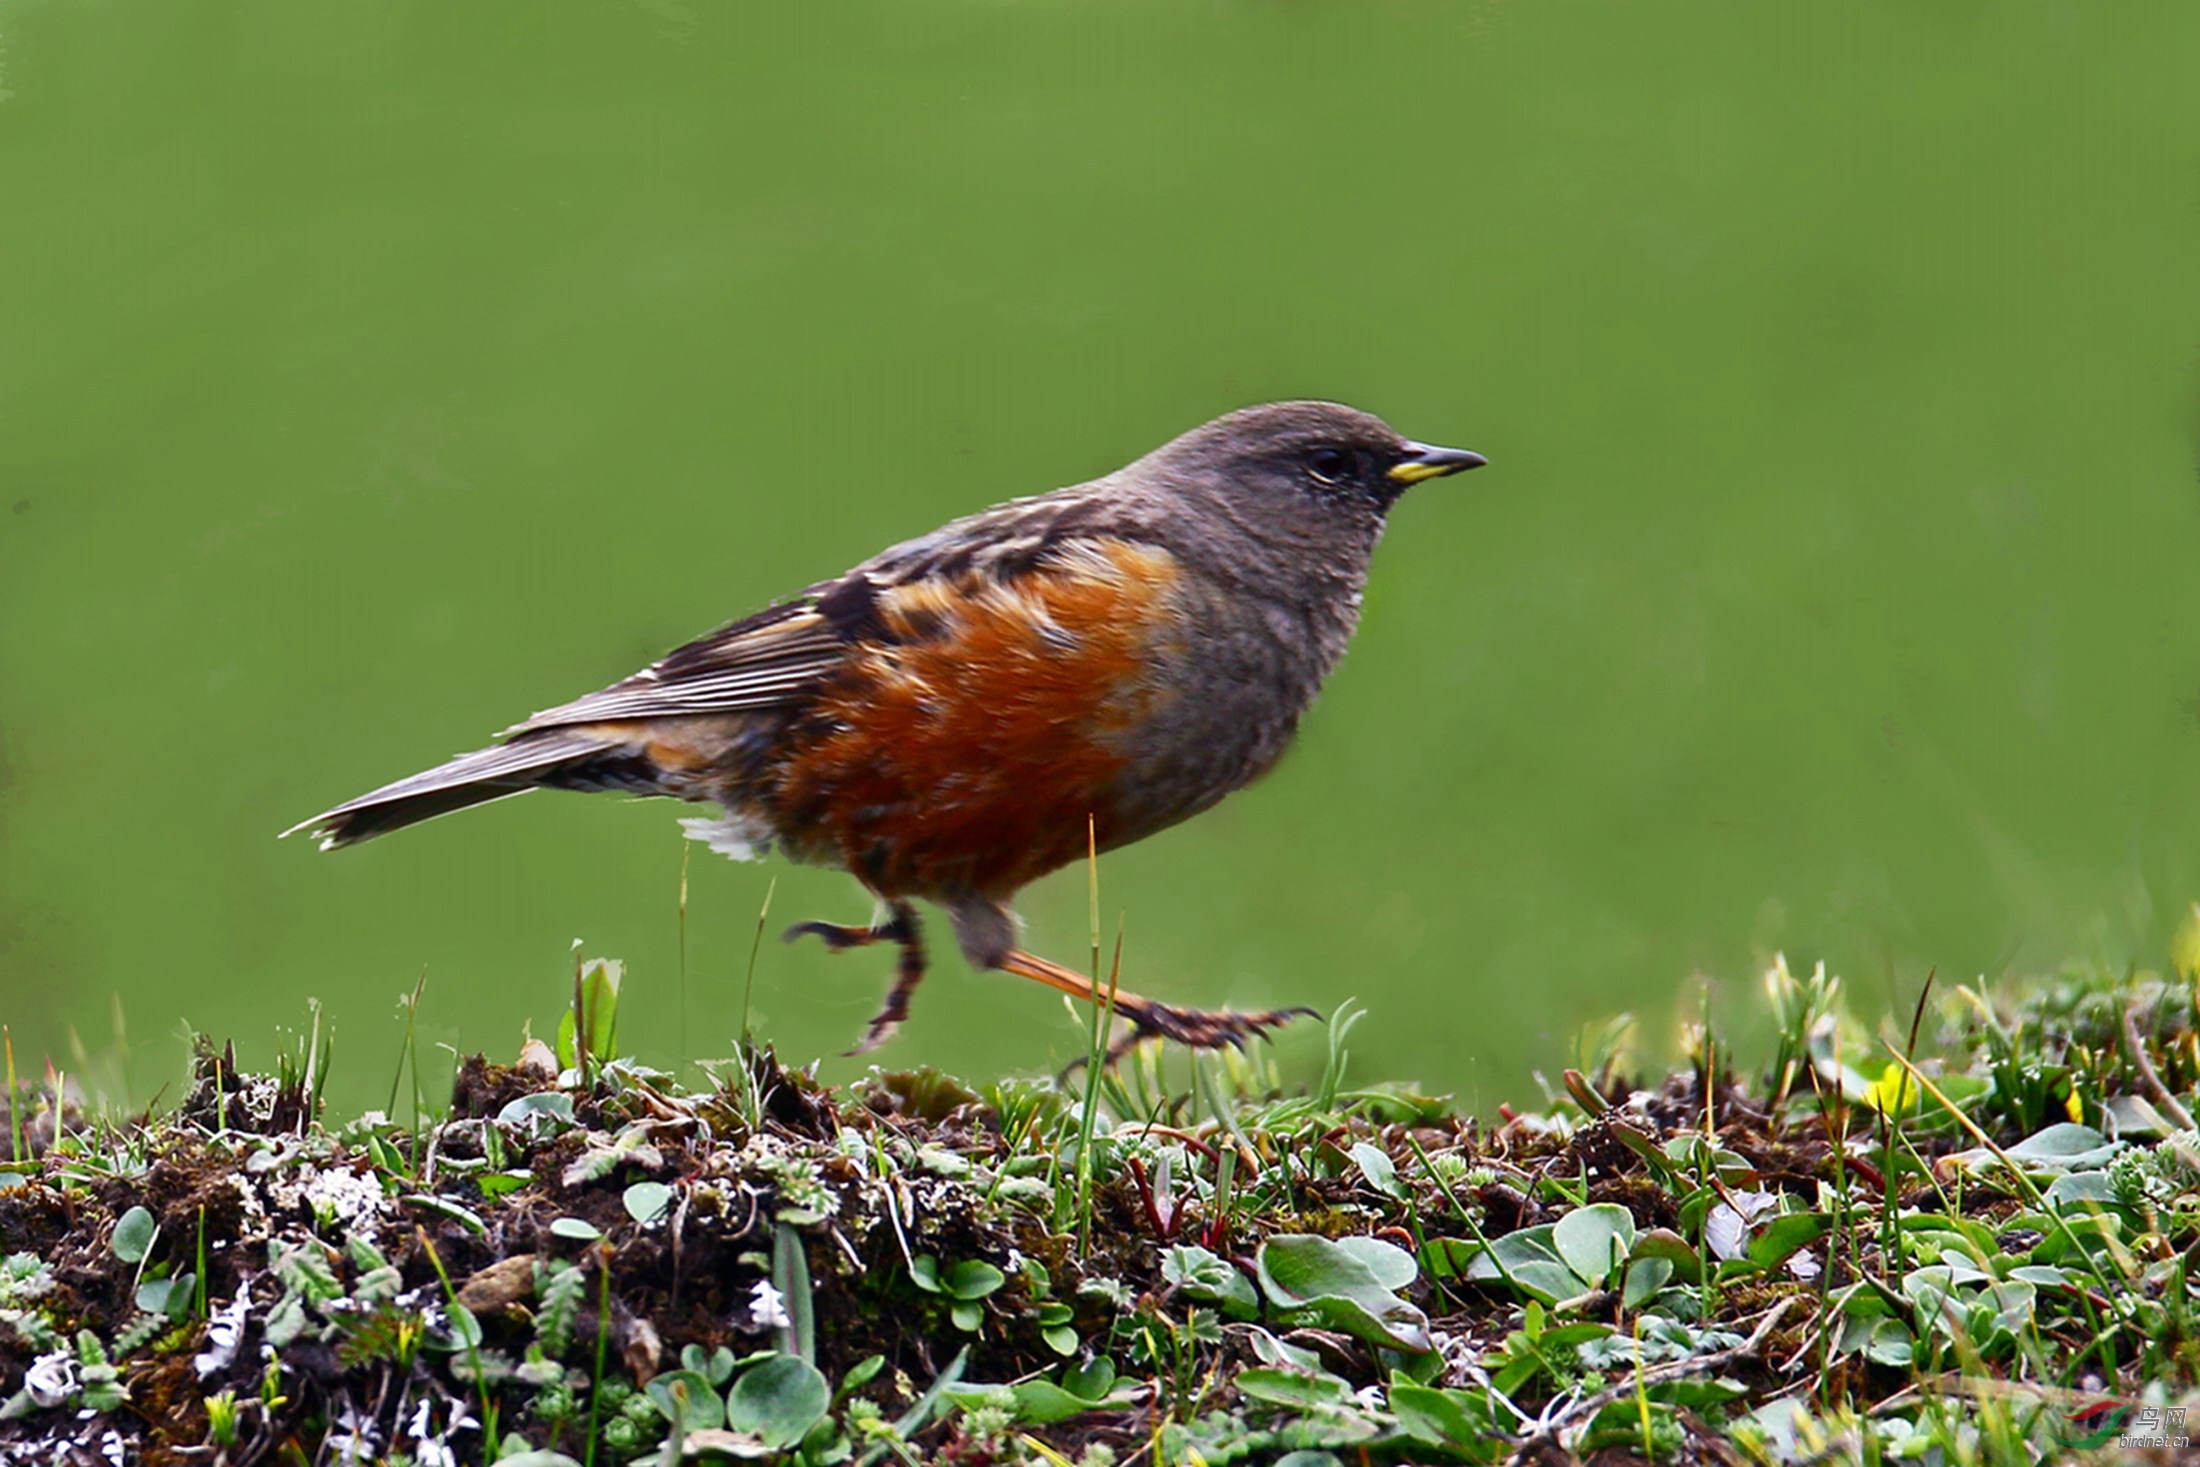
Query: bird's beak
column 1423, row 462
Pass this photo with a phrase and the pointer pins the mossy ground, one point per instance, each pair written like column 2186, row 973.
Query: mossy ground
column 1965, row 1239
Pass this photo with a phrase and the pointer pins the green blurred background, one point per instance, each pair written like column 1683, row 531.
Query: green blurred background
column 371, row 375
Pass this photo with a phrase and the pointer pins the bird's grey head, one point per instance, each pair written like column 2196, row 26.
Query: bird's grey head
column 1304, row 460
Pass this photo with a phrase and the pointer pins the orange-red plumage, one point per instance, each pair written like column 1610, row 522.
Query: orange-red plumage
column 966, row 750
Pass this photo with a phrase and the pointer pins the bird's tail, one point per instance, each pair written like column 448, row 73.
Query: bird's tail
column 528, row 762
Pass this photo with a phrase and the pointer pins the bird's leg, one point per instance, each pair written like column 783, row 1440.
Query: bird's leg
column 1199, row 1028
column 902, row 930
column 840, row 937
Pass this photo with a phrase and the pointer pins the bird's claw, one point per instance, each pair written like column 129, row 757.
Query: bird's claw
column 1194, row 1028
column 836, row 936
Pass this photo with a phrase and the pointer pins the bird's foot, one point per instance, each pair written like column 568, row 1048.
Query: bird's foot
column 1206, row 1028
column 900, row 929
column 1197, row 1028
column 840, row 937
column 1149, row 1018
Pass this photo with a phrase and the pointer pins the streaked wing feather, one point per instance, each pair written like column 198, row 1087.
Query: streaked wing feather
column 770, row 660
column 778, row 657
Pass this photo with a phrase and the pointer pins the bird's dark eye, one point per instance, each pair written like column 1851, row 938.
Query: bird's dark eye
column 1330, row 465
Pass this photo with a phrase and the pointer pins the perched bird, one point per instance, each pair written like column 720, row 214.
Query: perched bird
column 951, row 718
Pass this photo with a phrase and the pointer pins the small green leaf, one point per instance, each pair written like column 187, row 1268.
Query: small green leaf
column 779, row 1400
column 385, row 1156
column 1785, row 1235
column 2076, row 1189
column 1675, row 1250
column 1391, row 1266
column 647, row 1201
column 2065, row 1147
column 166, row 1296
column 1347, row 1284
column 1593, row 1241
column 1526, row 1256
column 1697, row 1395
column 600, row 979
column 686, row 1397
column 967, row 1315
column 791, row 1276
column 972, row 1279
column 447, row 1208
column 1376, row 1166
column 580, row 1230
column 943, row 1162
column 134, row 1235
column 1042, row 1403
column 1889, row 1343
column 462, row 1328
column 524, row 1112
column 1092, row 1380
column 1202, row 1276
column 1303, row 1389
column 1434, row 1416
column 1298, row 1267
column 1271, row 1351
column 1645, row 1276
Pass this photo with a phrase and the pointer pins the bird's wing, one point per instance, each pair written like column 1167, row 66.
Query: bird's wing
column 779, row 657
column 770, row 660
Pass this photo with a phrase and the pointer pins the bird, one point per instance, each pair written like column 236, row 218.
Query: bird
column 967, row 711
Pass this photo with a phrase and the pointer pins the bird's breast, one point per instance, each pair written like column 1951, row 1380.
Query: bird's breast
column 969, row 744
column 1233, row 686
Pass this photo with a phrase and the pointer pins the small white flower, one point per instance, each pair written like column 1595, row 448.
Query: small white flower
column 430, row 1449
column 355, row 1437
column 768, row 1307
column 224, row 1332
column 51, row 1378
column 1727, row 1227
column 111, row 1447
column 1370, row 1396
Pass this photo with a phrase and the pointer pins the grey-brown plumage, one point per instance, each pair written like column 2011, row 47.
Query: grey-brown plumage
column 948, row 718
